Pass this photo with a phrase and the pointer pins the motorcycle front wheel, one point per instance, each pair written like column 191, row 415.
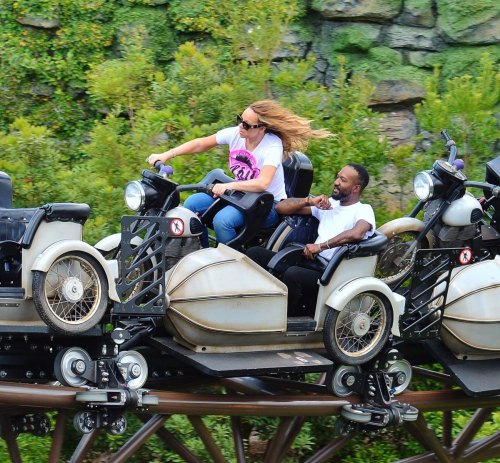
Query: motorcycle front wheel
column 72, row 296
column 357, row 333
column 390, row 268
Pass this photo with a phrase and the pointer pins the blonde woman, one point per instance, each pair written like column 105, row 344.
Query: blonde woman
column 265, row 134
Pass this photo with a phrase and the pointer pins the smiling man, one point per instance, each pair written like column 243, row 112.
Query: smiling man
column 342, row 219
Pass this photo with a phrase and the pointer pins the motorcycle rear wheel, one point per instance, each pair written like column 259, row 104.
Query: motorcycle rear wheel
column 72, row 296
column 387, row 269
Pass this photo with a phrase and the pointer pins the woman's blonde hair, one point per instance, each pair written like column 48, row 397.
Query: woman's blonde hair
column 295, row 132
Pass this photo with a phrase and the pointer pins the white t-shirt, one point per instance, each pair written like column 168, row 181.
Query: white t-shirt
column 339, row 219
column 246, row 165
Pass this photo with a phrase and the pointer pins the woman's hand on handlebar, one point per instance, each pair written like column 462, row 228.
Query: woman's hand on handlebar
column 220, row 188
column 162, row 157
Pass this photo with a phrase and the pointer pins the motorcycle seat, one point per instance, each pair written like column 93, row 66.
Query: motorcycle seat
column 20, row 225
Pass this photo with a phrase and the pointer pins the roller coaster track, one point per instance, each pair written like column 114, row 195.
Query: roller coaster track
column 292, row 401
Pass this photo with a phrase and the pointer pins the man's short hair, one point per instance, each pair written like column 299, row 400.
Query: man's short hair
column 363, row 175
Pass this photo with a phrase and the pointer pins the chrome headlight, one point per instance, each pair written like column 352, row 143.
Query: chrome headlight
column 423, row 186
column 135, row 196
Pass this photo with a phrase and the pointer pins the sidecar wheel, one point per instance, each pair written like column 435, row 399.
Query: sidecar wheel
column 387, row 269
column 72, row 296
column 357, row 333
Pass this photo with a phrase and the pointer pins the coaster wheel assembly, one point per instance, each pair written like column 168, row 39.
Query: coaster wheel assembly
column 292, row 401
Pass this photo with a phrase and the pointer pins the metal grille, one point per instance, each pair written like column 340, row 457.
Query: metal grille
column 426, row 292
column 141, row 287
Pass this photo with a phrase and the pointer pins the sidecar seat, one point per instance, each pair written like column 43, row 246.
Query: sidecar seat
column 18, row 228
column 293, row 255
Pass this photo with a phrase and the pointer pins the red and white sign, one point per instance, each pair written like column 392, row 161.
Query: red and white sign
column 465, row 256
column 177, row 227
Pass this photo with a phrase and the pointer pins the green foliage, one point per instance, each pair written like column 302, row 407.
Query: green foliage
column 355, row 37
column 466, row 110
column 344, row 111
column 30, row 156
column 124, row 83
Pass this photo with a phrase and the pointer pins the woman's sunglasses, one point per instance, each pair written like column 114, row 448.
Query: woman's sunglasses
column 246, row 125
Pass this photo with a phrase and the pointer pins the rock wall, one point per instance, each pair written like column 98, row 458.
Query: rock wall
column 397, row 43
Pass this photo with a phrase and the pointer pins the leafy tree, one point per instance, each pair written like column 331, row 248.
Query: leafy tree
column 124, row 83
column 466, row 109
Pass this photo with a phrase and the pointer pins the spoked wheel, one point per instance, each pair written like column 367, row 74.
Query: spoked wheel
column 72, row 296
column 402, row 375
column 390, row 268
column 69, row 364
column 358, row 332
column 134, row 368
column 341, row 380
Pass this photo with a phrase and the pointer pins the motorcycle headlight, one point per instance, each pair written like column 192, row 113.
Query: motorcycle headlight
column 135, row 196
column 423, row 186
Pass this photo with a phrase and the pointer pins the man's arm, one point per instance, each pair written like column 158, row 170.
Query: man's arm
column 353, row 235
column 302, row 206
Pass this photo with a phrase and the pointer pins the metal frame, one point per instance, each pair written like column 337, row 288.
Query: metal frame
column 265, row 396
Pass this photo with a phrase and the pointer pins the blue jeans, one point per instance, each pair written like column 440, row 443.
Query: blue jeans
column 226, row 221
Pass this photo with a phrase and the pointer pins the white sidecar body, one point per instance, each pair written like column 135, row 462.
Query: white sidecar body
column 471, row 321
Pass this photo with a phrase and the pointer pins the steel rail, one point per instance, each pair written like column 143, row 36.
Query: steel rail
column 188, row 403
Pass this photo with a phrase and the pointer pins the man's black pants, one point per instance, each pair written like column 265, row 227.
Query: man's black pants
column 301, row 282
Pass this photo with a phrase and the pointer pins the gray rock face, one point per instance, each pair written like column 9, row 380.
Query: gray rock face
column 484, row 33
column 413, row 37
column 417, row 13
column 371, row 10
column 469, row 22
column 39, row 21
column 397, row 92
column 420, row 58
column 399, row 126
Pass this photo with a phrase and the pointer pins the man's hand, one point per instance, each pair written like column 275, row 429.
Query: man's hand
column 321, row 202
column 311, row 250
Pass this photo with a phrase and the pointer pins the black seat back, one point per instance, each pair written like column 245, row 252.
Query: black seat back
column 294, row 229
column 6, row 191
column 298, row 172
column 369, row 247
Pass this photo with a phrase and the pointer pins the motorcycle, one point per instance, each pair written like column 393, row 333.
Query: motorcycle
column 452, row 217
column 157, row 195
column 49, row 278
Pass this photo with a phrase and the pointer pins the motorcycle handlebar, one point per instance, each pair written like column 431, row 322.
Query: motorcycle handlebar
column 495, row 189
column 205, row 188
column 450, row 146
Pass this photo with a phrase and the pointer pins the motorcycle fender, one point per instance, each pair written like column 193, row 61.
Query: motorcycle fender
column 403, row 224
column 48, row 256
column 112, row 241
column 343, row 294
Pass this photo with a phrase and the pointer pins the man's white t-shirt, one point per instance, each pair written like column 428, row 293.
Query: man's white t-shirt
column 246, row 165
column 339, row 219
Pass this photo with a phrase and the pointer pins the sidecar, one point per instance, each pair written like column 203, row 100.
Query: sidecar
column 50, row 280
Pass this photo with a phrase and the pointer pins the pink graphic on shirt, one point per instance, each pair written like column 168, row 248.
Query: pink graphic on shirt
column 243, row 165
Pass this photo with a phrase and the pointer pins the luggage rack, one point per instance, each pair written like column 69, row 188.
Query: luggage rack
column 425, row 290
column 141, row 287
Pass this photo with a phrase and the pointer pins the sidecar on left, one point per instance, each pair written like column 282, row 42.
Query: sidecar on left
column 53, row 285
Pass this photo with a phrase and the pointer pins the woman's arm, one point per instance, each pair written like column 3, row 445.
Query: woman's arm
column 198, row 145
column 256, row 185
